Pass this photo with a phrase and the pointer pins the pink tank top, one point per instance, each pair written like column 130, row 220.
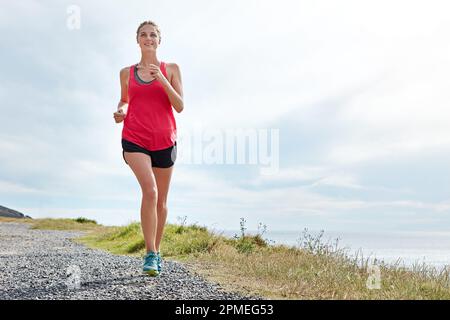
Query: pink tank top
column 150, row 122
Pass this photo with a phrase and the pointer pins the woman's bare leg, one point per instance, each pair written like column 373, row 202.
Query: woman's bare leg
column 141, row 165
column 162, row 176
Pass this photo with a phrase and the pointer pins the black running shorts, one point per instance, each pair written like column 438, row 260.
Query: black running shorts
column 160, row 159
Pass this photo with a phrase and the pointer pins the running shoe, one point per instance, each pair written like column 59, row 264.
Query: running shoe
column 151, row 264
column 159, row 262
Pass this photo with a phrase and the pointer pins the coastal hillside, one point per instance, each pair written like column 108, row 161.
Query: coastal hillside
column 10, row 213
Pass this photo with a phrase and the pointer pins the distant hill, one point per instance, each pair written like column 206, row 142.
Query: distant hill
column 10, row 213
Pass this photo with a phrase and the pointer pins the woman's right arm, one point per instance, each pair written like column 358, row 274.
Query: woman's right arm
column 124, row 74
column 122, row 107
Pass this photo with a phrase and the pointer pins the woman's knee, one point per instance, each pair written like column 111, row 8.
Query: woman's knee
column 150, row 192
column 161, row 205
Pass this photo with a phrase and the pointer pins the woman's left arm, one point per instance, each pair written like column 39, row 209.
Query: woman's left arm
column 174, row 88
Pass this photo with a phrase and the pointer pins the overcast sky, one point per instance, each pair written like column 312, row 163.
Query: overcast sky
column 353, row 93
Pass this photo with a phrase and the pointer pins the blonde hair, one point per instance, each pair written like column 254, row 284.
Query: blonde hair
column 150, row 23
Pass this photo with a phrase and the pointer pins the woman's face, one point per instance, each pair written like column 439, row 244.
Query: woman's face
column 148, row 38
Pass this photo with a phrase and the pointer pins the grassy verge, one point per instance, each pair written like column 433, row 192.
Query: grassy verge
column 249, row 265
column 78, row 224
column 5, row 219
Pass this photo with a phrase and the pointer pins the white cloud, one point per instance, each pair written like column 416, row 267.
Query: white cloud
column 11, row 187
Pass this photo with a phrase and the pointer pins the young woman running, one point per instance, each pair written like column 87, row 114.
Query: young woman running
column 149, row 90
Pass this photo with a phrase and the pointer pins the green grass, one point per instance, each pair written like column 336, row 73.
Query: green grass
column 21, row 220
column 247, row 264
column 85, row 220
column 179, row 241
column 81, row 224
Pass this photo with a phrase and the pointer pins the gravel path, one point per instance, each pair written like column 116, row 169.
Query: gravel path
column 46, row 264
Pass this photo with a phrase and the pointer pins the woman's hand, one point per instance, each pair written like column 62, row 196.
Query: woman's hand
column 119, row 115
column 155, row 72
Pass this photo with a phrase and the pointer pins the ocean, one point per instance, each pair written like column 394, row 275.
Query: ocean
column 411, row 248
